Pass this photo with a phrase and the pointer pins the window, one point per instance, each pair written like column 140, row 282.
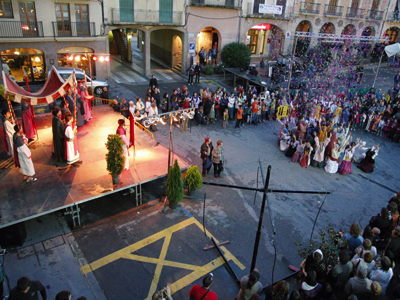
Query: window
column 6, row 9
column 82, row 19
column 62, row 17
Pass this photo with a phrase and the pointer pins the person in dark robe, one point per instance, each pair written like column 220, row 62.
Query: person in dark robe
column 69, row 97
column 332, row 143
column 58, row 136
column 80, row 110
column 28, row 122
column 64, row 109
column 124, row 107
column 368, row 163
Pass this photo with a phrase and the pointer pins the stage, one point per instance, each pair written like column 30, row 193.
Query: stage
column 57, row 188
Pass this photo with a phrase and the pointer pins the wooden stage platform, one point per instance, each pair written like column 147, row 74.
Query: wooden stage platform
column 58, row 189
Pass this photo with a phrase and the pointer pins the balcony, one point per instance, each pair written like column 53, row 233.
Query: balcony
column 394, row 17
column 309, row 8
column 333, row 10
column 375, row 14
column 143, row 16
column 216, row 3
column 355, row 13
column 20, row 29
column 253, row 12
column 74, row 29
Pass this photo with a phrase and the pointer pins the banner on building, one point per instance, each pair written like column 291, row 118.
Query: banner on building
column 270, row 9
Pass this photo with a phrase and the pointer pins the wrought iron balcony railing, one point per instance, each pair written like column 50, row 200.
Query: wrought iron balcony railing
column 357, row 13
column 216, row 3
column 333, row 10
column 74, row 29
column 310, row 8
column 143, row 16
column 375, row 14
column 20, row 29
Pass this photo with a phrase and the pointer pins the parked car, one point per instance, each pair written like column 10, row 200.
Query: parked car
column 98, row 85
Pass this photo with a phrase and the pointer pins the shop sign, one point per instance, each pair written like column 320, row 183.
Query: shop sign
column 270, row 9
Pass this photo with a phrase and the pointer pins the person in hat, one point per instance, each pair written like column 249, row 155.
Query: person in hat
column 71, row 141
column 23, row 156
column 122, row 133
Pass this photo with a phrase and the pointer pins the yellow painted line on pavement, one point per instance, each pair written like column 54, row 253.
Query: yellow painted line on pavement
column 198, row 271
column 157, row 272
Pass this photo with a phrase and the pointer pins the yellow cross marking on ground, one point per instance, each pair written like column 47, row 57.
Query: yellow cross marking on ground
column 210, row 82
column 198, row 271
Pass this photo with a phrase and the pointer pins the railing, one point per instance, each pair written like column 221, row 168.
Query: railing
column 74, row 29
column 310, row 8
column 253, row 10
column 375, row 14
column 333, row 10
column 20, row 29
column 357, row 13
column 393, row 17
column 219, row 3
column 143, row 16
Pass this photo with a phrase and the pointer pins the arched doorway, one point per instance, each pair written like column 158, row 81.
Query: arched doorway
column 393, row 34
column 304, row 42
column 349, row 30
column 30, row 60
column 176, row 52
column 83, row 62
column 207, row 39
column 328, row 28
column 277, row 41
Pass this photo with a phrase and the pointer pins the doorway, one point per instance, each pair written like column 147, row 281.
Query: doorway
column 176, row 51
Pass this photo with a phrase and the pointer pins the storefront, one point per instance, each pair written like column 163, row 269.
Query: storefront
column 66, row 58
column 257, row 37
column 29, row 60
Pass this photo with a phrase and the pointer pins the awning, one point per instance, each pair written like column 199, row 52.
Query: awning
column 392, row 49
column 54, row 88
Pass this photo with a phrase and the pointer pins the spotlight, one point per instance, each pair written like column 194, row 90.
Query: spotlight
column 78, row 58
column 107, row 58
column 71, row 58
column 94, row 57
column 101, row 58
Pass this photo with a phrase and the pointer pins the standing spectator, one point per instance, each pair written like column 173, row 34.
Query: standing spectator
column 190, row 74
column 343, row 268
column 205, row 152
column 155, row 93
column 124, row 108
column 383, row 274
column 197, row 70
column 27, row 290
column 375, row 293
column 203, row 292
column 310, row 287
column 358, row 285
column 396, row 79
column 354, row 238
column 239, row 117
column 249, row 286
column 215, row 54
column 153, row 82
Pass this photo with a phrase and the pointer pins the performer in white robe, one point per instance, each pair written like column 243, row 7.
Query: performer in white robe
column 332, row 164
column 71, row 141
column 8, row 124
column 359, row 153
column 122, row 133
column 24, row 159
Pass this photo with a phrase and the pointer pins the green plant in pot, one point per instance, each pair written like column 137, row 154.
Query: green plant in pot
column 174, row 185
column 192, row 179
column 115, row 156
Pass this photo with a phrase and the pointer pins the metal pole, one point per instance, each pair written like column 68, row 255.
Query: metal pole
column 258, row 235
column 170, row 141
column 377, row 71
column 90, row 70
column 291, row 63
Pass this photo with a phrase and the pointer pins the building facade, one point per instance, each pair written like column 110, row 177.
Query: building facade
column 34, row 35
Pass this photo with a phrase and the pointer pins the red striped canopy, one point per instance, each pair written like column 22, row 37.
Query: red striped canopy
column 54, row 88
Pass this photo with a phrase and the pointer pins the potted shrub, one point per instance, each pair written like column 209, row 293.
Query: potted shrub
column 174, row 185
column 192, row 179
column 115, row 157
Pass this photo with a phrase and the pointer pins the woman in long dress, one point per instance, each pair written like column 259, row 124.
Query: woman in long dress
column 284, row 138
column 122, row 133
column 299, row 151
column 305, row 158
column 319, row 152
column 86, row 100
column 332, row 164
column 8, row 126
column 345, row 167
column 23, row 158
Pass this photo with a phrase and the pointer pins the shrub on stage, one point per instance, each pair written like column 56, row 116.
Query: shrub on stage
column 174, row 184
column 115, row 157
column 192, row 179
column 236, row 55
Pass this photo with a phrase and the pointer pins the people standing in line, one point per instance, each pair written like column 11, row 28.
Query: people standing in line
column 8, row 126
column 190, row 74
column 28, row 290
column 23, row 156
column 203, row 292
column 58, row 136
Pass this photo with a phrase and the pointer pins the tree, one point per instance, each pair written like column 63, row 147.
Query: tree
column 192, row 179
column 115, row 157
column 236, row 55
column 174, row 185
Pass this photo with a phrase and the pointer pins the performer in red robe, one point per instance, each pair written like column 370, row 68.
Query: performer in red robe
column 332, row 143
column 28, row 121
